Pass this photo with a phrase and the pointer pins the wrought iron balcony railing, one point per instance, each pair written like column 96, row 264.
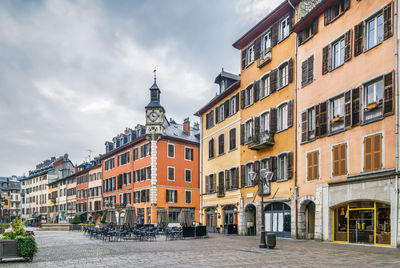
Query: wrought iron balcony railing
column 263, row 140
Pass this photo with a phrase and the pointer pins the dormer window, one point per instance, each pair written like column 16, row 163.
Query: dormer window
column 222, row 86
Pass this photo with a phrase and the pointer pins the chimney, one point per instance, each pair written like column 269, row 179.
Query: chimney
column 186, row 126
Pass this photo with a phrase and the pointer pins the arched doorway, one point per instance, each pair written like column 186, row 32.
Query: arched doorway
column 211, row 220
column 250, row 219
column 307, row 223
column 277, row 219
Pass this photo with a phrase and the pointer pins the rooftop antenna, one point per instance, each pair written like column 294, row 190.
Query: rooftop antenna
column 155, row 74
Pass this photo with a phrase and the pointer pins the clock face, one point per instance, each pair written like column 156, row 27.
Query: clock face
column 153, row 116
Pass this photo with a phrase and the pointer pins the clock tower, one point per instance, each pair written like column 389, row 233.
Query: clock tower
column 154, row 114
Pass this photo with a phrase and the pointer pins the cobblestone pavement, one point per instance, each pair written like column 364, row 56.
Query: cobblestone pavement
column 74, row 249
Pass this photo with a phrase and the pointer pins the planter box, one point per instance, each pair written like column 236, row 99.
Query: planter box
column 9, row 249
column 188, row 231
column 75, row 227
column 201, row 231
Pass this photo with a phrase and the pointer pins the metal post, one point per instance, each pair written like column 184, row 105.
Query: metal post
column 262, row 240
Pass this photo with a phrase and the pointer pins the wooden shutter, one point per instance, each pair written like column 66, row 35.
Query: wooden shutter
column 290, row 165
column 325, row 59
column 207, row 184
column 315, row 165
column 227, row 185
column 309, row 166
column 274, row 80
column 242, row 176
column 175, row 196
column 300, row 37
column 346, row 5
column 335, row 160
column 257, row 171
column 388, row 101
column 274, row 34
column 217, row 115
column 327, row 16
column 256, row 91
column 343, row 159
column 355, row 106
column 243, row 59
column 317, row 119
column 207, row 121
column 167, row 195
column 314, row 27
column 242, row 97
column 387, row 21
column 290, row 70
column 304, row 130
column 347, row 45
column 368, row 153
column 257, row 126
column 304, row 73
column 226, row 108
column 257, row 48
column 290, row 114
column 119, row 181
column 236, row 178
column 237, row 102
column 273, row 162
column 347, row 109
column 310, row 69
column 242, row 129
column 323, row 118
column 358, row 39
column 273, row 120
column 377, row 151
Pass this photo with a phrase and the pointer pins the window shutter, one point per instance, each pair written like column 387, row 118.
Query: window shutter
column 290, row 70
column 257, row 48
column 175, row 196
column 387, row 21
column 325, row 59
column 346, row 5
column 226, row 108
column 273, row 120
column 304, row 126
column 207, row 190
column 217, row 115
column 310, row 69
column 355, row 106
column 227, row 185
column 290, row 165
column 316, row 165
column 242, row 134
column 119, row 181
column 256, row 91
column 327, row 18
column 343, row 159
column 377, row 151
column 358, row 39
column 273, row 167
column 309, row 166
column 388, row 103
column 304, row 73
column 368, row 153
column 207, row 121
column 242, row 176
column 323, row 118
column 347, row 45
column 336, row 161
column 291, row 16
column 274, row 80
column 243, row 59
column 314, row 28
column 274, row 34
column 257, row 171
column 290, row 114
column 300, row 37
column 166, row 193
column 242, row 96
column 257, row 126
column 237, row 102
column 347, row 109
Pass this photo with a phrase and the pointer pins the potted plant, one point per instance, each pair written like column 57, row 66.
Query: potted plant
column 336, row 118
column 372, row 105
column 75, row 224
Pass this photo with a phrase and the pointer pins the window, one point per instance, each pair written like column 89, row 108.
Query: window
column 248, row 96
column 284, row 28
column 145, row 150
column 264, row 121
column 373, row 152
column 232, row 105
column 171, row 173
column 174, row 215
column 373, row 100
column 248, row 131
column 188, row 197
column 171, row 150
column 307, row 71
column 308, row 32
column 109, row 164
column 172, row 196
column 339, row 159
column 249, row 55
column 282, row 117
column 221, row 144
column 232, row 139
column 311, row 123
column 210, row 183
column 188, row 175
column 123, row 158
column 211, row 148
column 374, row 31
column 337, row 53
column 265, row 86
column 210, row 119
column 283, row 73
column 248, row 177
column 313, row 165
column 221, row 113
column 188, row 154
column 222, row 86
column 337, row 113
column 335, row 10
column 282, row 167
column 266, row 45
column 233, row 178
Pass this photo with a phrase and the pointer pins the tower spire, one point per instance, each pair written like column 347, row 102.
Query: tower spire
column 155, row 74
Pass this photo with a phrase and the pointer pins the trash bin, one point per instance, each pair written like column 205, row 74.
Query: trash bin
column 271, row 240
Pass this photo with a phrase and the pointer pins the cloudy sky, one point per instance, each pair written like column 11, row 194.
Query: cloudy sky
column 73, row 74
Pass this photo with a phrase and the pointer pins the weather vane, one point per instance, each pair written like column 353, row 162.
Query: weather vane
column 155, row 75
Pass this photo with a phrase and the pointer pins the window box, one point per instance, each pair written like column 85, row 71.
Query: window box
column 337, row 118
column 266, row 58
column 372, row 106
column 264, row 140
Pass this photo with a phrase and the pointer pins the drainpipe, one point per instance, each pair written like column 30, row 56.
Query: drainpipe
column 295, row 130
column 396, row 35
column 201, row 169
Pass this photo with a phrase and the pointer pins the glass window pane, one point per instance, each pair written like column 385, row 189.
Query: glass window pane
column 371, row 33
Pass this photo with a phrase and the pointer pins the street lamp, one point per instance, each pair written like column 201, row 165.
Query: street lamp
column 265, row 177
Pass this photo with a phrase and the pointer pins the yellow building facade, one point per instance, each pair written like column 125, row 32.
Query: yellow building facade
column 267, row 125
column 220, row 157
column 53, row 202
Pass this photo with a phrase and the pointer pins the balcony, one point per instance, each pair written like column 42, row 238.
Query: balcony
column 266, row 57
column 53, row 200
column 221, row 191
column 261, row 141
